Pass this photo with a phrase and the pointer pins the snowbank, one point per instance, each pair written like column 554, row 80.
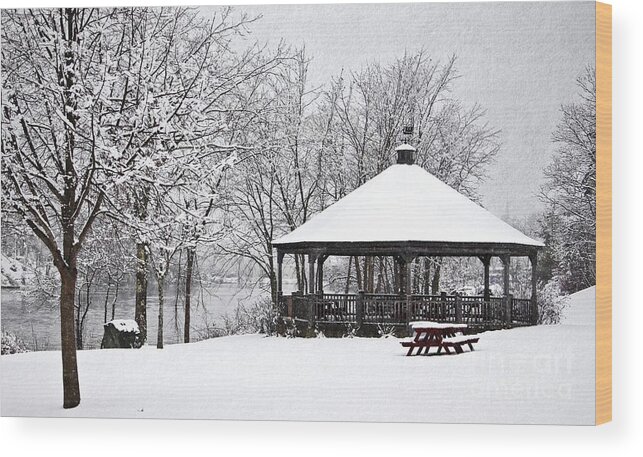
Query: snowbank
column 580, row 308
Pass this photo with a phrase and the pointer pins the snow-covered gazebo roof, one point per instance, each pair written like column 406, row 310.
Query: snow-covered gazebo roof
column 406, row 208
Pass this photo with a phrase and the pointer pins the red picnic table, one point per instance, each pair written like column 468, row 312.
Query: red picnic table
column 441, row 335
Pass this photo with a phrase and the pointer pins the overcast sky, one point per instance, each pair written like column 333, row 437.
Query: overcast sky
column 518, row 60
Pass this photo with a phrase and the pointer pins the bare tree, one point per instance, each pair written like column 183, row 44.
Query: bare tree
column 367, row 110
column 174, row 105
column 569, row 225
column 276, row 188
column 52, row 154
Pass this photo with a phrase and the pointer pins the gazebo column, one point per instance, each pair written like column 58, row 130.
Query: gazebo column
column 486, row 294
column 320, row 273
column 280, row 289
column 506, row 263
column 486, row 262
column 399, row 275
column 533, row 259
column 312, row 258
column 408, row 285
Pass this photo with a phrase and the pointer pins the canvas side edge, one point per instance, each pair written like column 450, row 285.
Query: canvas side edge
column 603, row 213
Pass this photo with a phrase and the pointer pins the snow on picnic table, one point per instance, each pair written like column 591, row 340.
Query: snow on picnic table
column 542, row 374
column 436, row 325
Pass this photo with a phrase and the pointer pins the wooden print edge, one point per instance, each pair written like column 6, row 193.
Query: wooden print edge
column 603, row 213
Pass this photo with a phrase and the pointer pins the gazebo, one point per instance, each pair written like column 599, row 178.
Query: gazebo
column 405, row 212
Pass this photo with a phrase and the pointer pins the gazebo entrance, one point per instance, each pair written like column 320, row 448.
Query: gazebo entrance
column 406, row 213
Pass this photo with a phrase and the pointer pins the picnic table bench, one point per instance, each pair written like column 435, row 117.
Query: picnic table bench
column 441, row 335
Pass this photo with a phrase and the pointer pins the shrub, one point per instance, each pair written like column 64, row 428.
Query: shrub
column 386, row 331
column 350, row 331
column 11, row 344
column 259, row 317
column 551, row 302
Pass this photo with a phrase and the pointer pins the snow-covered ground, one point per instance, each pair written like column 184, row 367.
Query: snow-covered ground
column 580, row 308
column 539, row 374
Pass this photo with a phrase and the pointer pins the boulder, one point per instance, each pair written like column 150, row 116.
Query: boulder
column 121, row 333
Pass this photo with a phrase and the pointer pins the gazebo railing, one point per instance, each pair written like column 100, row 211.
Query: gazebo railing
column 392, row 309
column 521, row 310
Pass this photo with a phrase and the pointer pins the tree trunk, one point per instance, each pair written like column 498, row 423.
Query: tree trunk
column 176, row 297
column 115, row 298
column 140, row 308
column 79, row 322
column 71, row 389
column 159, row 339
column 188, row 294
column 272, row 277
column 109, row 288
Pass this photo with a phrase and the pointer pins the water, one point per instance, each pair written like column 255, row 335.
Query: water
column 39, row 327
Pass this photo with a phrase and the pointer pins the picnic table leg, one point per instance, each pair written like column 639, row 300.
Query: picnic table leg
column 423, row 338
column 417, row 338
column 470, row 345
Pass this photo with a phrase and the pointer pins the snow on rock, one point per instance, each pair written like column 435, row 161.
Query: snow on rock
column 528, row 375
column 580, row 308
column 124, row 325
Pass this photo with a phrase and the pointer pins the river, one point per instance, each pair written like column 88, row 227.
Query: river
column 39, row 326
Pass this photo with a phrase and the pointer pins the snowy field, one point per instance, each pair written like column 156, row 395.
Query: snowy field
column 531, row 375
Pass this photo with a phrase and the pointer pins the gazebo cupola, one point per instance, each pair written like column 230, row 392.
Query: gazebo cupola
column 406, row 213
column 405, row 154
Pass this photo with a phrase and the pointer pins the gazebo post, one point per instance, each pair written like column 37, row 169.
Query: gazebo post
column 486, row 294
column 311, row 273
column 533, row 258
column 408, row 285
column 280, row 290
column 320, row 273
column 397, row 265
column 506, row 263
column 486, row 261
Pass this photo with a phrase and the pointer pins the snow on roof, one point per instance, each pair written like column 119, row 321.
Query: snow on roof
column 406, row 203
column 124, row 325
column 405, row 147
